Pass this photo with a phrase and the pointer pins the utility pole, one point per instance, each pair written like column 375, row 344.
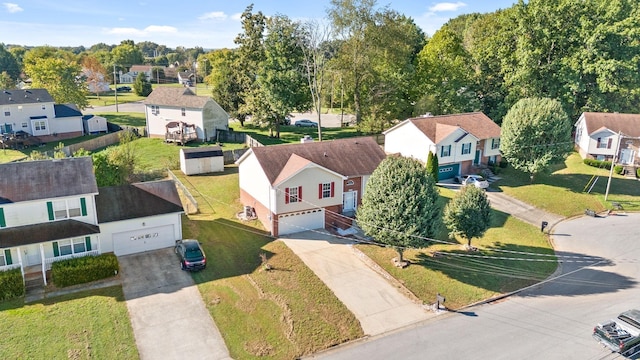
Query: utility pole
column 613, row 164
column 115, row 86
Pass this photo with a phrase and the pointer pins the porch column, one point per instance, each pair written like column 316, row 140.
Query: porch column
column 21, row 264
column 44, row 265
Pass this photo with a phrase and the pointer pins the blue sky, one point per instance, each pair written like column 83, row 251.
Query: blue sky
column 210, row 24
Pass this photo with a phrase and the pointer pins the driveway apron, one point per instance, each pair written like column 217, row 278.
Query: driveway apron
column 375, row 302
column 521, row 210
column 167, row 313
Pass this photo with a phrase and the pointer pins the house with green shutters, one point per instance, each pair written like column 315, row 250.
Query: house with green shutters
column 51, row 210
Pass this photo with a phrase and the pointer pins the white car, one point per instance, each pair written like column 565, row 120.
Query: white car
column 476, row 180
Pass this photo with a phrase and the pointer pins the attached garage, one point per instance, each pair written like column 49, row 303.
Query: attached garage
column 300, row 221
column 448, row 171
column 131, row 242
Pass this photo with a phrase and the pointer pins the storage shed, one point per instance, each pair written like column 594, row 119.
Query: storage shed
column 201, row 160
column 94, row 124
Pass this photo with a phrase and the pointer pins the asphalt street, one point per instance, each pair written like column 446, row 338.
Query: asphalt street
column 598, row 279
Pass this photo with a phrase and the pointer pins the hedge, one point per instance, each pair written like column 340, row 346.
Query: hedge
column 11, row 284
column 598, row 163
column 83, row 269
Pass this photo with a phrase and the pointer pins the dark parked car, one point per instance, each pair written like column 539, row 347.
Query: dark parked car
column 124, row 88
column 191, row 255
column 306, row 123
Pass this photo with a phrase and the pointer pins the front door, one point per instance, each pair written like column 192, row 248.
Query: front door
column 476, row 160
column 626, row 156
column 349, row 201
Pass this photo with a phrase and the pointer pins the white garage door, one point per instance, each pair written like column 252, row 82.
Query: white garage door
column 300, row 221
column 131, row 242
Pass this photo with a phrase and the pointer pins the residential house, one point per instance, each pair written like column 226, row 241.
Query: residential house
column 52, row 210
column 462, row 142
column 146, row 69
column 186, row 77
column 297, row 187
column 126, row 78
column 598, row 135
column 33, row 111
column 169, row 104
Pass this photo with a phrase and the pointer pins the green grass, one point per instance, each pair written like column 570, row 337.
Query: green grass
column 561, row 190
column 107, row 99
column 125, row 118
column 283, row 313
column 87, row 325
column 292, row 134
column 466, row 280
column 8, row 155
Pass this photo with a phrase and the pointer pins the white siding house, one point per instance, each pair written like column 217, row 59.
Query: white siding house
column 599, row 134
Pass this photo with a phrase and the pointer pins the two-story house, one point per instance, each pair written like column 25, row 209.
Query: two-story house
column 33, row 111
column 461, row 141
column 52, row 210
column 598, row 135
column 167, row 105
column 312, row 185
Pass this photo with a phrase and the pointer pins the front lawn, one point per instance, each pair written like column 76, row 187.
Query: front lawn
column 283, row 313
column 467, row 277
column 87, row 325
column 293, row 134
column 561, row 190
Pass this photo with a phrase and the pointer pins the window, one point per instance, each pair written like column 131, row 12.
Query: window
column 69, row 208
column 184, row 112
column 24, row 125
column 70, row 247
column 155, row 110
column 74, row 207
column 326, row 190
column 43, row 107
column 445, row 150
column 466, row 148
column 293, row 195
column 3, row 258
column 578, row 134
column 604, row 143
column 40, row 125
column 495, row 143
column 60, row 209
column 7, row 112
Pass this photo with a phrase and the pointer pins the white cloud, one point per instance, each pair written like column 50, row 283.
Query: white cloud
column 236, row 16
column 447, row 6
column 12, row 8
column 214, row 15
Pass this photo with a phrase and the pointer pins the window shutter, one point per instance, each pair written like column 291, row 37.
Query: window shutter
column 299, row 193
column 50, row 210
column 333, row 188
column 320, row 191
column 442, row 151
column 7, row 257
column 83, row 206
column 56, row 251
column 87, row 242
column 286, row 195
column 3, row 222
column 609, row 143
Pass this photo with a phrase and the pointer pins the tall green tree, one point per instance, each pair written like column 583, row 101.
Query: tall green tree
column 142, row 86
column 9, row 65
column 536, row 132
column 127, row 54
column 226, row 88
column 6, row 81
column 468, row 214
column 61, row 78
column 281, row 80
column 399, row 207
column 432, row 166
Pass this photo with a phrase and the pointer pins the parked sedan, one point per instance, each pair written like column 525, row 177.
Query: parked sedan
column 306, row 123
column 476, row 180
column 191, row 255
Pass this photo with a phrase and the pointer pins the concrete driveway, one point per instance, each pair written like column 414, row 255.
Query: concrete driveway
column 377, row 304
column 167, row 314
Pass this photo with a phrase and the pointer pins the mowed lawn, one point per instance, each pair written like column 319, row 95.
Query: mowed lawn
column 510, row 256
column 87, row 325
column 283, row 313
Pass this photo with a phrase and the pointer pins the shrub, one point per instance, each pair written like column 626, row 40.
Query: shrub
column 11, row 284
column 504, row 163
column 618, row 169
column 638, row 172
column 598, row 163
column 83, row 269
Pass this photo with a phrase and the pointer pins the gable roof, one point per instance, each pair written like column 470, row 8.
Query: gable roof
column 26, row 96
column 45, row 179
column 347, row 157
column 176, row 96
column 140, row 68
column 66, row 110
column 202, row 152
column 439, row 127
column 115, row 203
column 50, row 231
column 627, row 124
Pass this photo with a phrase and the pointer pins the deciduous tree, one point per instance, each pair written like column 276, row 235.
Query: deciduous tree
column 61, row 78
column 399, row 207
column 536, row 132
column 468, row 214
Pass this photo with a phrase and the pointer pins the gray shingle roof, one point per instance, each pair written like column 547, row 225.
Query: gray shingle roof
column 348, row 157
column 202, row 152
column 134, row 201
column 177, row 97
column 66, row 110
column 43, row 179
column 54, row 230
column 27, row 96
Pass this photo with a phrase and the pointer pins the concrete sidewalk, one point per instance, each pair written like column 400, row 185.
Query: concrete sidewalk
column 168, row 316
column 523, row 211
column 376, row 303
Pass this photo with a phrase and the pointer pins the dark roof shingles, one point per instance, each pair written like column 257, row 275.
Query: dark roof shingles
column 50, row 231
column 27, row 96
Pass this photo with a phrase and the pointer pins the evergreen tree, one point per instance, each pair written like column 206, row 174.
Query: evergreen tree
column 432, row 166
column 142, row 87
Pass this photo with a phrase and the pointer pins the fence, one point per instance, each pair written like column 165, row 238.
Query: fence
column 231, row 156
column 191, row 205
